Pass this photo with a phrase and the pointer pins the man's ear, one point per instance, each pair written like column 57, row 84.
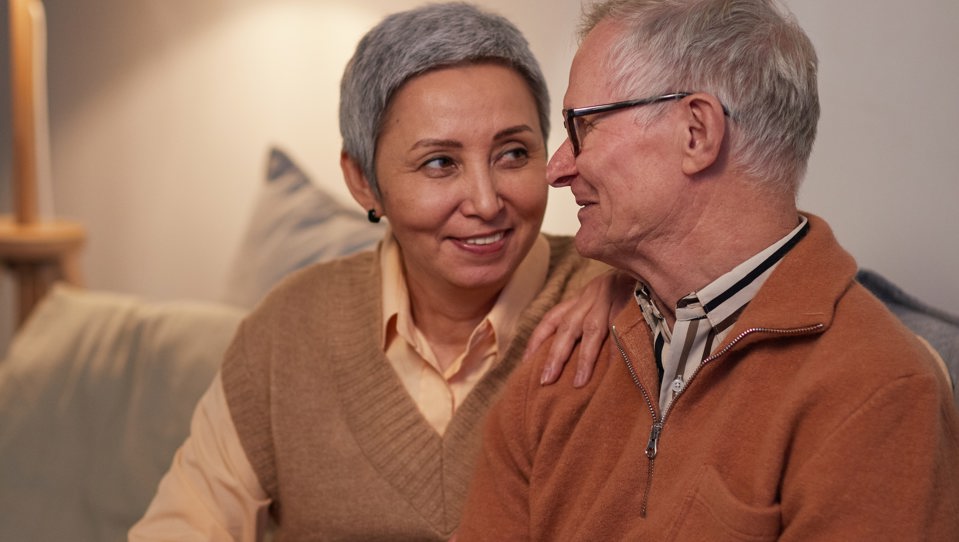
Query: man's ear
column 705, row 132
column 356, row 181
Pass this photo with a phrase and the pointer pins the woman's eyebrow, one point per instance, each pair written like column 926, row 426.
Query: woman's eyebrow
column 512, row 130
column 446, row 143
column 454, row 144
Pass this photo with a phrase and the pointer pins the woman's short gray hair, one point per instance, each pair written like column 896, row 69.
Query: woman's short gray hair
column 409, row 43
column 751, row 54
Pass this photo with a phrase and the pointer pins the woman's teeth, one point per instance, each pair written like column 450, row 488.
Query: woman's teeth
column 489, row 239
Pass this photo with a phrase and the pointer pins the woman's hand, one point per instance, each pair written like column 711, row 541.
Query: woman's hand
column 583, row 318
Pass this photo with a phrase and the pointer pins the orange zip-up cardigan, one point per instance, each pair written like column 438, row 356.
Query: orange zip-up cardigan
column 820, row 418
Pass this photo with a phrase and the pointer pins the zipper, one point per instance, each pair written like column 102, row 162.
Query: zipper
column 730, row 345
column 656, row 431
column 652, row 446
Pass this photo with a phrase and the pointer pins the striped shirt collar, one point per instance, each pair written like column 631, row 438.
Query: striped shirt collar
column 729, row 293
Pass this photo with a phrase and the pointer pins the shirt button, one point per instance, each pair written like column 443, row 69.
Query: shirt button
column 677, row 385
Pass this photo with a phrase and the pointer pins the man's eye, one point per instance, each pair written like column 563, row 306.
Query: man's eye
column 583, row 125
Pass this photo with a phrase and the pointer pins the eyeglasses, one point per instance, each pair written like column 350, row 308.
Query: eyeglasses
column 571, row 115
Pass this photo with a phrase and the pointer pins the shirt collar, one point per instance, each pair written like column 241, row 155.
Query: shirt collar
column 728, row 294
column 519, row 292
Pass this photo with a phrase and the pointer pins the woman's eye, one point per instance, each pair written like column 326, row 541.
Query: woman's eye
column 438, row 165
column 515, row 157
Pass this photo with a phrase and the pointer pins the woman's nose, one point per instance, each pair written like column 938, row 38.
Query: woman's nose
column 483, row 199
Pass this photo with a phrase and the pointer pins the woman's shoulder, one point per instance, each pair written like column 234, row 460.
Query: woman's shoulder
column 566, row 264
column 560, row 245
column 312, row 305
column 323, row 283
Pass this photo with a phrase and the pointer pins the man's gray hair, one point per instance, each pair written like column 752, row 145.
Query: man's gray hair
column 410, row 43
column 751, row 54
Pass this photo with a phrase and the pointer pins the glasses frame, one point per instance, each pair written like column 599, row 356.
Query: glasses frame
column 575, row 112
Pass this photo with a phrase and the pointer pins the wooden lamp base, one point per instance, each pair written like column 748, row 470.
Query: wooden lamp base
column 40, row 254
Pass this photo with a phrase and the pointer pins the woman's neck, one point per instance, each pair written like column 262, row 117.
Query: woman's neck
column 447, row 317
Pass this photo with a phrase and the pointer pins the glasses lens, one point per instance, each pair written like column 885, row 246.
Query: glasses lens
column 569, row 124
column 579, row 125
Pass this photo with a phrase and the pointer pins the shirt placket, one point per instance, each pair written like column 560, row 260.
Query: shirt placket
column 685, row 350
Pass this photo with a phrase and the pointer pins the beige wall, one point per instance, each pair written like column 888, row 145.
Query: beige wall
column 162, row 112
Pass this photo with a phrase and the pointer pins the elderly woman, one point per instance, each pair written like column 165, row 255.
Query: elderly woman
column 349, row 403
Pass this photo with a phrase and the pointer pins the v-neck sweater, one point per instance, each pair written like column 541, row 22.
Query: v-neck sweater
column 333, row 436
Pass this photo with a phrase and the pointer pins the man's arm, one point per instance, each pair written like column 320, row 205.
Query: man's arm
column 497, row 507
column 890, row 471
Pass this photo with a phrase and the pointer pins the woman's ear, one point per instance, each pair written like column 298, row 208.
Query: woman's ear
column 705, row 132
column 356, row 181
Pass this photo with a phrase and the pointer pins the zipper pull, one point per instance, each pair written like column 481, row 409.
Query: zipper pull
column 652, row 446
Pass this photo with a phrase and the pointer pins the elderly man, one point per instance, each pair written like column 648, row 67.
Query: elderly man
column 755, row 391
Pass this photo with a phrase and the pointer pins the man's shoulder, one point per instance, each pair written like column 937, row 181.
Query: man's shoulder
column 864, row 350
column 864, row 324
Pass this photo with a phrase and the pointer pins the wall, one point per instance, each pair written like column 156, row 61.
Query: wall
column 883, row 170
column 162, row 113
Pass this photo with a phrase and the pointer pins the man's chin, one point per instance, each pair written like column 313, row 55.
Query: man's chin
column 586, row 244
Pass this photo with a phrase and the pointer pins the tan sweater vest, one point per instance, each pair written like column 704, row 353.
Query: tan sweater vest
column 326, row 423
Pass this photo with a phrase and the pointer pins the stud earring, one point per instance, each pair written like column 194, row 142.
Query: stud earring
column 371, row 216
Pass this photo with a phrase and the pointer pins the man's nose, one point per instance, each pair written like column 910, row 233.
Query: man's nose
column 562, row 166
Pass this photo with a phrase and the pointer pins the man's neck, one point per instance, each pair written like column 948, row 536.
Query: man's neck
column 679, row 268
